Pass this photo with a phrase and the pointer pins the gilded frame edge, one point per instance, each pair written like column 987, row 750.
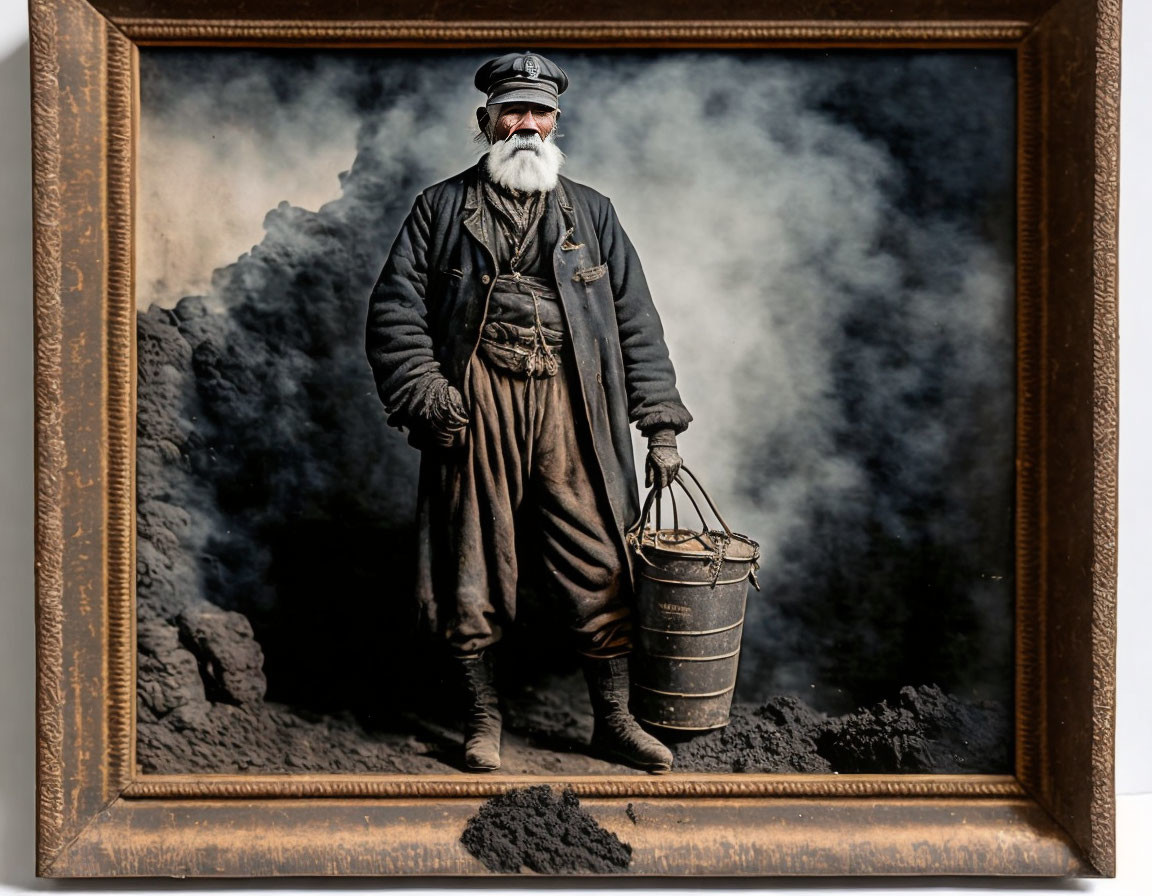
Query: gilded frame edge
column 85, row 486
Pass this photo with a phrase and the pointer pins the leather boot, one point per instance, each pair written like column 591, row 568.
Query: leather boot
column 481, row 714
column 617, row 735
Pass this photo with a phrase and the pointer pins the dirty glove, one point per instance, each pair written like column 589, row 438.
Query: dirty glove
column 444, row 412
column 663, row 461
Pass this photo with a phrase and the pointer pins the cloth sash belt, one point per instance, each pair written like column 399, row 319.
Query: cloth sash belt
column 517, row 337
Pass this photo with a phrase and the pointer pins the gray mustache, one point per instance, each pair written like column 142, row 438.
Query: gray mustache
column 524, row 141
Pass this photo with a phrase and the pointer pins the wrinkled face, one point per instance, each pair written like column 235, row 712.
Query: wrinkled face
column 522, row 118
column 523, row 154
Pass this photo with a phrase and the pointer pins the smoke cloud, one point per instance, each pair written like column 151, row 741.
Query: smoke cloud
column 828, row 238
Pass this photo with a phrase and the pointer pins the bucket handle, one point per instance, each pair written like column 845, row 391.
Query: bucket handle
column 675, row 512
column 633, row 535
column 655, row 493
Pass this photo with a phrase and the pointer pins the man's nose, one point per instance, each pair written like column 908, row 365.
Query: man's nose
column 531, row 122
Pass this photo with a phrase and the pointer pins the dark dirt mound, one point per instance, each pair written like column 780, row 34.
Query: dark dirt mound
column 195, row 717
column 533, row 828
column 923, row 730
column 775, row 737
column 185, row 725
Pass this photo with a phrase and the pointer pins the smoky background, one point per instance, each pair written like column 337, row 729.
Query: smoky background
column 828, row 238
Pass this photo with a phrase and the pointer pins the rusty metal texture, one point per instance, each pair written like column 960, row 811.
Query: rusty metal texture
column 691, row 590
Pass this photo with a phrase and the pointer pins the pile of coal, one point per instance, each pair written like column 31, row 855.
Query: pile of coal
column 533, row 828
column 923, row 730
column 778, row 736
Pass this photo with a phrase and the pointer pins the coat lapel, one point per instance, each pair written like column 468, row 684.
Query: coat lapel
column 475, row 219
column 559, row 230
column 558, row 223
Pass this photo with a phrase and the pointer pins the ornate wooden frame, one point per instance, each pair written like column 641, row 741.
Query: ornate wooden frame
column 97, row 816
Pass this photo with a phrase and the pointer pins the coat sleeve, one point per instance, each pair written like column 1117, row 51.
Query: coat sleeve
column 397, row 341
column 653, row 400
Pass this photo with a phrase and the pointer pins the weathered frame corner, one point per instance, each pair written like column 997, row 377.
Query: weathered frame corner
column 97, row 816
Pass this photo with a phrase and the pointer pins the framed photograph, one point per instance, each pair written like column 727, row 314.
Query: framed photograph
column 680, row 443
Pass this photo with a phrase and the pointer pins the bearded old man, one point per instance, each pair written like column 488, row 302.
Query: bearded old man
column 513, row 335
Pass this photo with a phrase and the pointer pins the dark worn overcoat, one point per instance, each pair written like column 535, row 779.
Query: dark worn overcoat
column 429, row 304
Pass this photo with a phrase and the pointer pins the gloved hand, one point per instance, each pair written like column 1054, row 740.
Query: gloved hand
column 445, row 414
column 663, row 462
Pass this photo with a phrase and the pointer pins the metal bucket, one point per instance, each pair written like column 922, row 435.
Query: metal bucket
column 691, row 589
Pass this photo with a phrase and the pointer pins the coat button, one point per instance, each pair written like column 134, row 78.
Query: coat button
column 485, row 279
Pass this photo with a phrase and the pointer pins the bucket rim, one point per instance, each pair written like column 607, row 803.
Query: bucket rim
column 649, row 540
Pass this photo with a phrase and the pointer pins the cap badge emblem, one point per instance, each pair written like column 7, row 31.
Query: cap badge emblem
column 532, row 67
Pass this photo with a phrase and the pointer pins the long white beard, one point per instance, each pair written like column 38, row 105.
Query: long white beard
column 531, row 170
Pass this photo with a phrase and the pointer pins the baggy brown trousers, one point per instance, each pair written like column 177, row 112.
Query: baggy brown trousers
column 523, row 462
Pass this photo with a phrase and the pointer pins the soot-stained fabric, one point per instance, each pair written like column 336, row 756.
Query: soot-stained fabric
column 523, row 473
column 429, row 304
column 517, row 217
